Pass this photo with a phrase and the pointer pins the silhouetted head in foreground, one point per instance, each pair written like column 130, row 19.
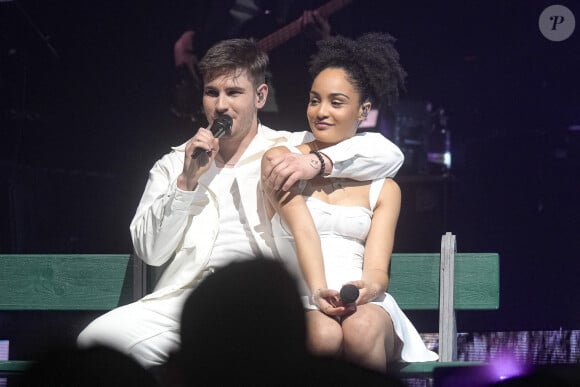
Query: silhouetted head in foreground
column 246, row 316
column 245, row 325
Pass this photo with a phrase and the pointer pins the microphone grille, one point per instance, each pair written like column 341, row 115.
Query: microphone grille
column 349, row 294
column 222, row 125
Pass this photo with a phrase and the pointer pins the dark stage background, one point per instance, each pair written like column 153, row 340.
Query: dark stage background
column 87, row 87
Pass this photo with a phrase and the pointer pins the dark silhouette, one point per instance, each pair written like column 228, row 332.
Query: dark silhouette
column 93, row 367
column 245, row 325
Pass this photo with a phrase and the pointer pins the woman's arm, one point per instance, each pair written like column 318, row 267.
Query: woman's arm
column 380, row 241
column 293, row 210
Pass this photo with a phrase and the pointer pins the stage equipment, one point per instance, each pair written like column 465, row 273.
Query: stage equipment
column 422, row 133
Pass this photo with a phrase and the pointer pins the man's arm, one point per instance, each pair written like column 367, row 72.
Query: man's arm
column 365, row 156
column 161, row 216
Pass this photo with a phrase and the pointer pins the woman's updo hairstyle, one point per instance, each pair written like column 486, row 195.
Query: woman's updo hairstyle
column 371, row 62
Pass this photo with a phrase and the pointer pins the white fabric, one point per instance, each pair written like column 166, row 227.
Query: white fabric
column 343, row 231
column 179, row 229
column 233, row 241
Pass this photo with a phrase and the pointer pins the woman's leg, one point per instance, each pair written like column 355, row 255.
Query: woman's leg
column 369, row 338
column 324, row 334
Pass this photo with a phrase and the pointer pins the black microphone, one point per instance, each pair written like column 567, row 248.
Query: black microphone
column 221, row 125
column 348, row 294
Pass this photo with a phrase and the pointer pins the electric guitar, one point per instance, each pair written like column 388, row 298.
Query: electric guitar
column 291, row 30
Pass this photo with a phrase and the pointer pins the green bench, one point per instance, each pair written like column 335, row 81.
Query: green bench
column 445, row 281
column 66, row 282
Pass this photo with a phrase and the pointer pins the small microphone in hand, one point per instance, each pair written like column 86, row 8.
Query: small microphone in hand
column 222, row 125
column 349, row 294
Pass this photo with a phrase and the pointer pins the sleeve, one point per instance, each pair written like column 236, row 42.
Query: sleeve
column 162, row 215
column 366, row 156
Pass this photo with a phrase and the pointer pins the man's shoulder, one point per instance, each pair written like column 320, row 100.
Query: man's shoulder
column 294, row 138
column 179, row 148
column 172, row 158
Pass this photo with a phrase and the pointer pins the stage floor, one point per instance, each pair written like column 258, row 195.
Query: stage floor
column 518, row 350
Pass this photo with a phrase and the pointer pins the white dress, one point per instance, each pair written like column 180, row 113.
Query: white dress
column 343, row 231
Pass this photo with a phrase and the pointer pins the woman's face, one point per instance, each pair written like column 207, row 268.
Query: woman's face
column 334, row 108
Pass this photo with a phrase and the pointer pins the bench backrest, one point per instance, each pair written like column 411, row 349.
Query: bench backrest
column 102, row 282
column 415, row 281
column 68, row 282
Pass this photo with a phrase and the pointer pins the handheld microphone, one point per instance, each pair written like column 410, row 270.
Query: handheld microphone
column 348, row 294
column 221, row 125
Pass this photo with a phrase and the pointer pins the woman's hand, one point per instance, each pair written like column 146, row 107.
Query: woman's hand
column 328, row 301
column 367, row 291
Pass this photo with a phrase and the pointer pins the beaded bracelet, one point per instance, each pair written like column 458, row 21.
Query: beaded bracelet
column 321, row 159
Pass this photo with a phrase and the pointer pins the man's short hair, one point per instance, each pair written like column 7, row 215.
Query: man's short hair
column 234, row 56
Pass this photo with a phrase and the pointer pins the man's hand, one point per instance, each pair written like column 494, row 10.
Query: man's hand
column 283, row 171
column 193, row 168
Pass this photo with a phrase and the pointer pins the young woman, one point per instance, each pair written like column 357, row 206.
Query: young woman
column 337, row 231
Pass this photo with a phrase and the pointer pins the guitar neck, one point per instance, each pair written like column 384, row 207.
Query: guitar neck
column 291, row 30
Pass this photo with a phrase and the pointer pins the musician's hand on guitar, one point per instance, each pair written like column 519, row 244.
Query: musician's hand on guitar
column 314, row 25
column 187, row 101
column 183, row 51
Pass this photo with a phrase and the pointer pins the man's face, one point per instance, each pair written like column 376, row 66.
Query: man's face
column 233, row 94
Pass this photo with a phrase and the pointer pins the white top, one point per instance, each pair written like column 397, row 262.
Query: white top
column 232, row 242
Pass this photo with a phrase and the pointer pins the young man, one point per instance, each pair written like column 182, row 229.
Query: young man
column 199, row 213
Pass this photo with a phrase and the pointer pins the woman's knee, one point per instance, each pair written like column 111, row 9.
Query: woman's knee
column 324, row 335
column 363, row 332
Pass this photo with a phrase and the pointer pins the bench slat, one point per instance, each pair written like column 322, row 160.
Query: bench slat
column 64, row 282
column 427, row 367
column 15, row 366
column 415, row 281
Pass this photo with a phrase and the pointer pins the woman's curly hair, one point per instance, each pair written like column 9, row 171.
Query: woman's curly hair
column 371, row 62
